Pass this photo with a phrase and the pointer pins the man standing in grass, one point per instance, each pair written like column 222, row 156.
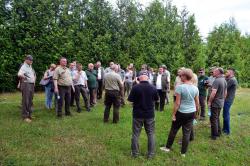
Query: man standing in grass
column 113, row 92
column 63, row 84
column 143, row 96
column 28, row 77
column 216, row 101
column 202, row 86
column 92, row 83
column 81, row 87
column 231, row 89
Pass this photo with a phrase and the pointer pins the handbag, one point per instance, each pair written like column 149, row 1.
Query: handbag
column 44, row 82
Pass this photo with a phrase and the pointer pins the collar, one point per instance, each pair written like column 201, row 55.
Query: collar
column 144, row 82
column 26, row 64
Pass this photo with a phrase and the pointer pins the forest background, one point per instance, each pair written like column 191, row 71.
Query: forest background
column 88, row 31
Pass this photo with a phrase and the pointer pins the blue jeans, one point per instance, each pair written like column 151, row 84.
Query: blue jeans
column 48, row 96
column 226, row 117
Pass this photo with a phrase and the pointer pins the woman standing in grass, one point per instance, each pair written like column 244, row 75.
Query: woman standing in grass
column 186, row 104
column 48, row 75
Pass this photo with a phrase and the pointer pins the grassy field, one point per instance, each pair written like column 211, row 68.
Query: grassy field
column 85, row 140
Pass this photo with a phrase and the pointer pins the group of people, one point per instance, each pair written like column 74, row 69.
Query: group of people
column 147, row 89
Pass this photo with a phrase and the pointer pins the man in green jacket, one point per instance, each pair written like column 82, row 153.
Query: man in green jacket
column 92, row 83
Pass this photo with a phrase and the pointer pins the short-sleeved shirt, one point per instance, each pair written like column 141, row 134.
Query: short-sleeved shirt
column 63, row 76
column 202, row 85
column 28, row 72
column 231, row 89
column 220, row 85
column 210, row 83
column 92, row 78
column 187, row 93
column 82, row 78
column 129, row 76
column 112, row 81
column 143, row 96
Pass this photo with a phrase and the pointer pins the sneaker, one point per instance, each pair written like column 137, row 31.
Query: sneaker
column 183, row 155
column 27, row 120
column 165, row 149
column 134, row 155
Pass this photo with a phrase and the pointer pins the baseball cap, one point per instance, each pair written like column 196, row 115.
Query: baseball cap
column 29, row 57
column 145, row 73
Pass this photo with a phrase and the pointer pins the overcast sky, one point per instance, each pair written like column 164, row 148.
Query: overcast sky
column 209, row 13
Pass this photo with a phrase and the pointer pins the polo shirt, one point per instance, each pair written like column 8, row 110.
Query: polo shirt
column 143, row 96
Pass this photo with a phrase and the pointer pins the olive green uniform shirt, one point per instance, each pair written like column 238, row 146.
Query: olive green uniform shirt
column 63, row 76
column 112, row 81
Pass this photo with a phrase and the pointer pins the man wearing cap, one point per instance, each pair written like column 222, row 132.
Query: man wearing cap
column 216, row 101
column 161, row 83
column 27, row 74
column 62, row 87
column 202, row 86
column 113, row 91
column 231, row 90
column 143, row 96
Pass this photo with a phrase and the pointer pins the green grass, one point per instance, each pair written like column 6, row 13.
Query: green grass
column 85, row 140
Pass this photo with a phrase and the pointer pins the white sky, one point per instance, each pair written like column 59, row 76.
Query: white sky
column 210, row 13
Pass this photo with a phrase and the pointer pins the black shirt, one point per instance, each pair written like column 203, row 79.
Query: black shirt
column 143, row 96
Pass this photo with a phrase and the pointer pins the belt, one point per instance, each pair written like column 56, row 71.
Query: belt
column 82, row 86
column 28, row 82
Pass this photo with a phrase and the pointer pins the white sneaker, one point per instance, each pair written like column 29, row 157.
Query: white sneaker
column 165, row 149
column 183, row 155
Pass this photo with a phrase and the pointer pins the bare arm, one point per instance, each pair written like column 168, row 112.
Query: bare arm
column 176, row 105
column 196, row 99
column 55, row 86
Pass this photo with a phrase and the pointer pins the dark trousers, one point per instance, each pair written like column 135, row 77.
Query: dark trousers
column 65, row 95
column 99, row 89
column 27, row 97
column 149, row 125
column 184, row 120
column 215, row 122
column 112, row 97
column 128, row 86
column 226, row 117
column 162, row 95
column 81, row 90
column 167, row 97
column 72, row 97
column 202, row 101
column 92, row 96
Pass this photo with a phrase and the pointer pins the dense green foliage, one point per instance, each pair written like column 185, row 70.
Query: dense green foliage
column 84, row 140
column 88, row 31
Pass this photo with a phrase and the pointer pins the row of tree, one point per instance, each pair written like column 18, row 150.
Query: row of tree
column 88, row 31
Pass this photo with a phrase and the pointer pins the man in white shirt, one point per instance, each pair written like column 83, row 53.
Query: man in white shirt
column 161, row 84
column 165, row 70
column 72, row 68
column 28, row 79
column 81, row 87
column 100, row 75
